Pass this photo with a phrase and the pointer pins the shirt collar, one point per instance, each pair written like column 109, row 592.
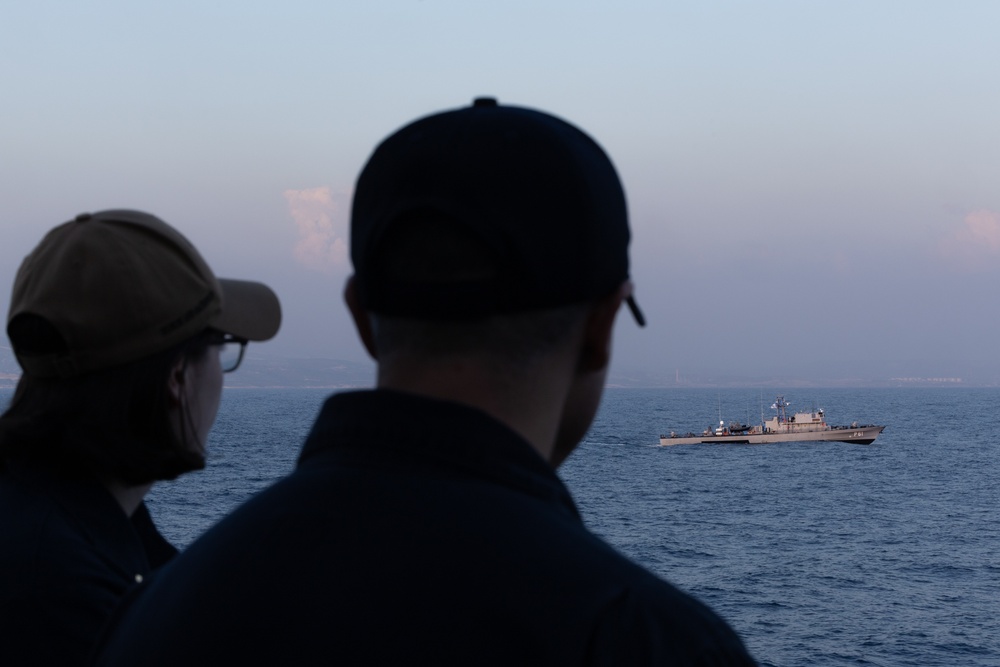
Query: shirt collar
column 398, row 426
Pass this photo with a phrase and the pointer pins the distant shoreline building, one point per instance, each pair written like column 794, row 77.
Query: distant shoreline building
column 927, row 380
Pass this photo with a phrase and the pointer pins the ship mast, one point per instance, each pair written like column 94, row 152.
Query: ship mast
column 780, row 405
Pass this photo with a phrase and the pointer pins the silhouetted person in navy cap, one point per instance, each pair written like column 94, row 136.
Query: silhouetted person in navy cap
column 425, row 523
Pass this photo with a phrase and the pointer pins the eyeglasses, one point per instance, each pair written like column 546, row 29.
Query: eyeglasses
column 231, row 349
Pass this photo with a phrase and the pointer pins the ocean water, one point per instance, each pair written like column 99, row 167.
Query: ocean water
column 816, row 553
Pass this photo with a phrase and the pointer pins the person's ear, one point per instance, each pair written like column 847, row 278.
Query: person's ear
column 362, row 322
column 175, row 381
column 595, row 353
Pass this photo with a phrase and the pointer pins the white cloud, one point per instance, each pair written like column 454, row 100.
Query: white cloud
column 976, row 242
column 321, row 218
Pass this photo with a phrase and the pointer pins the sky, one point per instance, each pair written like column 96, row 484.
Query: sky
column 814, row 187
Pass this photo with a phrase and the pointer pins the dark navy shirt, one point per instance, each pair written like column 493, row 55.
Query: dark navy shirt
column 68, row 554
column 413, row 531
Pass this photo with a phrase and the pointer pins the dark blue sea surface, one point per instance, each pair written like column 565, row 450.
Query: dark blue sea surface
column 816, row 553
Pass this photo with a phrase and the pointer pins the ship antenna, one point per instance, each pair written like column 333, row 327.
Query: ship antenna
column 779, row 405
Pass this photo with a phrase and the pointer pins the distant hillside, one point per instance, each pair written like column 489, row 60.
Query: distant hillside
column 265, row 370
column 257, row 371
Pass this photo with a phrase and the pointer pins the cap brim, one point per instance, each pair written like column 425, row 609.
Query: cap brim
column 640, row 319
column 249, row 310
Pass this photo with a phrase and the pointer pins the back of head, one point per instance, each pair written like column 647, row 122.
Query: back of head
column 472, row 218
column 100, row 309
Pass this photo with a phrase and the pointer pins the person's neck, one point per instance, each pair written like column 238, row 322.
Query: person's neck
column 531, row 409
column 128, row 497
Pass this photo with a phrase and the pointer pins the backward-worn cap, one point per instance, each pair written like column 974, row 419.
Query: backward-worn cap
column 537, row 192
column 119, row 285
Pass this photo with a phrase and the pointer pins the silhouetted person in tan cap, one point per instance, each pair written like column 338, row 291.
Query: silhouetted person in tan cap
column 123, row 333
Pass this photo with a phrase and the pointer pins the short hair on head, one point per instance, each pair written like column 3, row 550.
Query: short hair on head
column 514, row 339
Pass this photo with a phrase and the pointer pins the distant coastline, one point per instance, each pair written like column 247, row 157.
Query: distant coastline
column 263, row 371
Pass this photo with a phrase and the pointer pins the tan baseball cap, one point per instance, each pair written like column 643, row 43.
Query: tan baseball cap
column 119, row 285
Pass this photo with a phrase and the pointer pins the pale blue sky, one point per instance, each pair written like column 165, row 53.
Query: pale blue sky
column 813, row 185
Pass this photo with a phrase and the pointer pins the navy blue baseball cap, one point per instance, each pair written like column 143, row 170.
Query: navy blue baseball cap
column 538, row 192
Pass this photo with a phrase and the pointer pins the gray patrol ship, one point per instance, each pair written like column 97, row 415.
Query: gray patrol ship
column 800, row 427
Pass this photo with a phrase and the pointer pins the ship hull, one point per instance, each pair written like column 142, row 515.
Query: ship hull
column 863, row 435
